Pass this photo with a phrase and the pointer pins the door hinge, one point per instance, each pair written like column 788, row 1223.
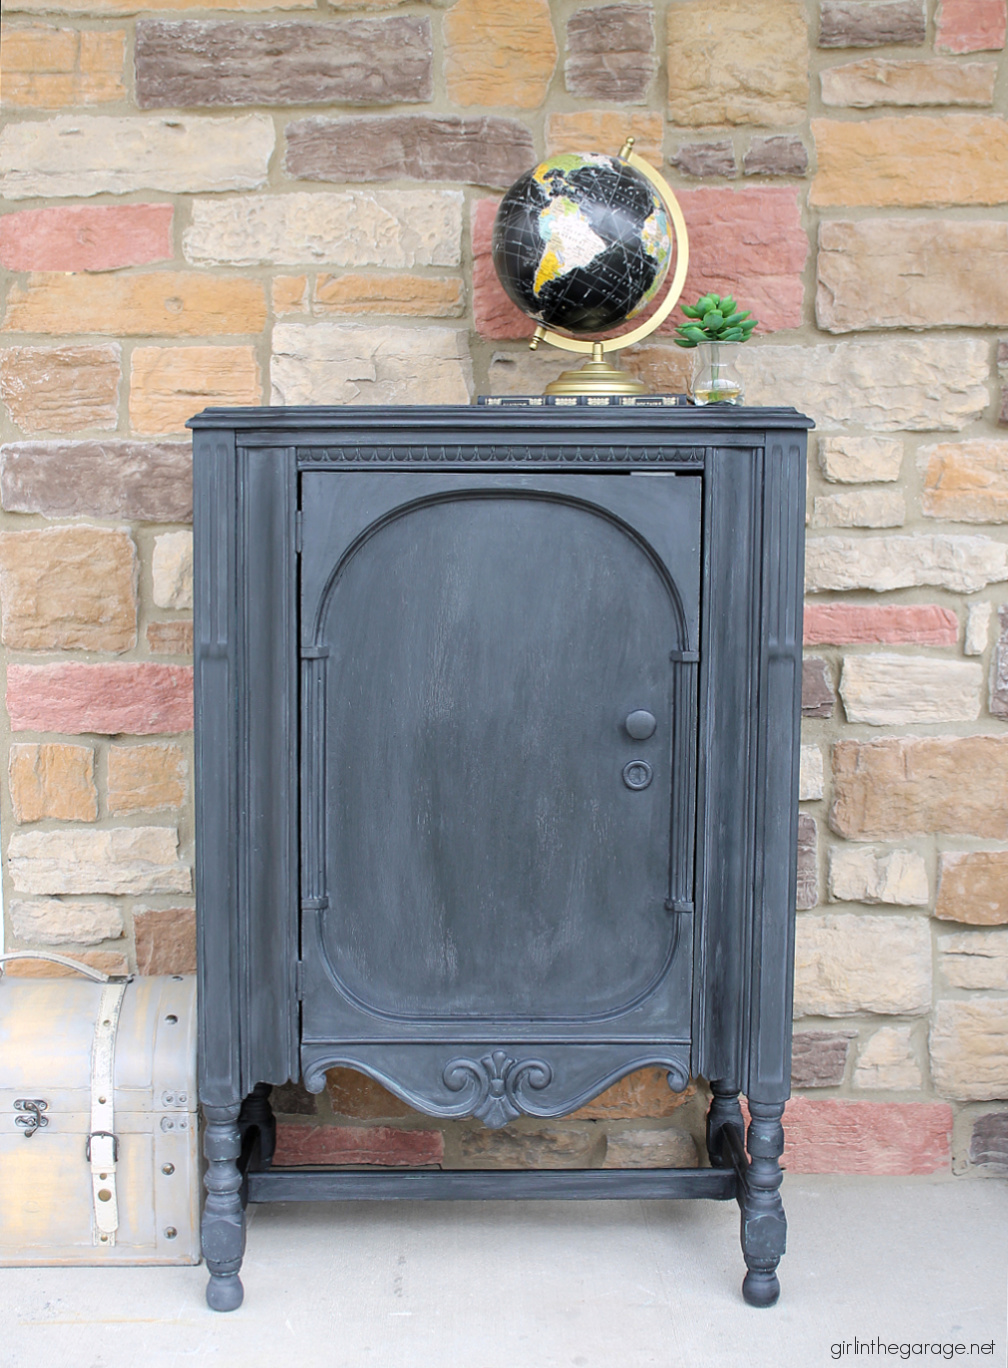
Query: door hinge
column 299, row 980
column 298, row 532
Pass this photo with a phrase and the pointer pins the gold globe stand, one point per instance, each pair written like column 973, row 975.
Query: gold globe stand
column 597, row 376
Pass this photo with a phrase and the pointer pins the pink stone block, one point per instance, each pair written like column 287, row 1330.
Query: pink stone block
column 832, row 1135
column 847, row 624
column 971, row 26
column 133, row 700
column 86, row 237
column 383, row 1145
column 494, row 314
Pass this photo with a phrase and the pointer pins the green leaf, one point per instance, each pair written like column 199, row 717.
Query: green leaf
column 682, row 342
column 690, row 312
column 733, row 320
column 704, row 305
column 713, row 320
column 727, row 305
column 694, row 333
column 732, row 335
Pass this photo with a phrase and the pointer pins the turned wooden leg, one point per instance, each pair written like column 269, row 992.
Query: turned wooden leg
column 256, row 1111
column 723, row 1114
column 223, row 1227
column 764, row 1226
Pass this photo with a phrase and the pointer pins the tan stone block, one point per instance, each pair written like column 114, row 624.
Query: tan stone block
column 879, row 273
column 107, row 7
column 525, row 372
column 172, row 570
column 898, row 690
column 170, row 384
column 343, row 363
column 811, row 781
column 150, row 778
column 356, row 1095
column 639, row 1149
column 541, row 1147
column 860, row 508
column 962, row 564
column 975, row 959
column 902, row 384
column 422, row 296
column 977, row 629
column 664, row 369
column 858, row 874
column 165, row 940
column 911, row 160
column 973, row 887
column 108, row 961
column 807, row 890
column 969, row 1049
column 860, row 460
column 499, row 52
column 843, row 964
column 73, row 155
column 169, row 303
column 50, row 921
column 170, row 638
column 47, row 67
column 68, row 588
column 122, row 860
column 62, row 389
column 40, row 48
column 876, row 81
column 737, row 65
column 887, row 1062
column 915, row 786
column 644, row 1093
column 289, row 294
column 605, row 130
column 965, row 481
column 52, row 780
column 389, row 228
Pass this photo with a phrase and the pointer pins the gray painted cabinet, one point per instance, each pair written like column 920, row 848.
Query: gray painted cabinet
column 497, row 744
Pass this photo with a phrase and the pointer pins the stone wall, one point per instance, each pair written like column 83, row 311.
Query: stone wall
column 280, row 201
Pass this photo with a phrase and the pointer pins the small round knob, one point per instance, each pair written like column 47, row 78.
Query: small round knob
column 641, row 724
column 637, row 774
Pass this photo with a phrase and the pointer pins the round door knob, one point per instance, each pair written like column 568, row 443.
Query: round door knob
column 637, row 774
column 641, row 724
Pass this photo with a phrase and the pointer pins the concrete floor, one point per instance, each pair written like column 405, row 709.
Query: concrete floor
column 544, row 1284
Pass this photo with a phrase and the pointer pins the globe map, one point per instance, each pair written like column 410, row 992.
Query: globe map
column 582, row 242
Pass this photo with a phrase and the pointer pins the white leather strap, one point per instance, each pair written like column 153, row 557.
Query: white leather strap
column 102, row 1145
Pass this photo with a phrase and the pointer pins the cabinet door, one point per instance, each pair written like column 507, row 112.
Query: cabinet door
column 489, row 847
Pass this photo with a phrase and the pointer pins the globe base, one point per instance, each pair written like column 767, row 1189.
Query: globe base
column 598, row 378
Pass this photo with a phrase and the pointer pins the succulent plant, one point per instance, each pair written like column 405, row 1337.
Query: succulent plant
column 714, row 318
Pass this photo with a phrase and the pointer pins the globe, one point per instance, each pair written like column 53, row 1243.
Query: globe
column 582, row 242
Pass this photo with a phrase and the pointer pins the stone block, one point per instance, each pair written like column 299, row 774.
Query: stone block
column 891, row 624
column 860, row 460
column 172, row 570
column 977, row 629
column 606, row 130
column 356, row 1095
column 611, row 53
column 391, row 228
column 70, row 156
column 899, row 690
column 639, row 1149
column 859, row 508
column 965, row 481
column 664, row 369
column 875, row 81
column 706, row 159
column 999, row 667
column 879, row 273
column 165, row 940
column 135, row 699
column 45, row 67
column 1002, row 370
column 902, row 384
column 52, row 779
column 402, row 295
column 51, row 921
column 69, row 588
column 289, row 294
column 130, row 7
column 819, row 1058
column 386, row 1146
column 887, row 1062
column 735, row 65
column 969, row 1049
column 195, row 63
column 500, row 53
column 962, row 564
column 292, row 1099
column 811, row 781
column 61, row 389
column 493, row 313
column 169, row 384
column 871, row 23
column 832, row 1135
column 818, row 697
column 108, row 961
column 337, row 363
column 122, row 860
column 859, row 874
column 525, row 372
column 989, row 1141
column 916, row 786
column 170, row 638
column 843, row 964
column 149, row 778
column 970, row 26
column 808, row 863
column 535, row 1147
column 142, row 481
column 975, row 959
column 783, row 154
column 973, row 887
column 426, row 147
column 86, row 237
column 908, row 161
column 643, row 1094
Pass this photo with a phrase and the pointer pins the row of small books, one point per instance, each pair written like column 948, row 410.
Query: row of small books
column 583, row 400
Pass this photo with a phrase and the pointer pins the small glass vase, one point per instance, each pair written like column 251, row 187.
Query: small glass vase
column 714, row 378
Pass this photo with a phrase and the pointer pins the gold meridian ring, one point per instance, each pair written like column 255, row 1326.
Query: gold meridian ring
column 671, row 204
